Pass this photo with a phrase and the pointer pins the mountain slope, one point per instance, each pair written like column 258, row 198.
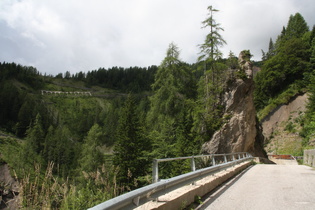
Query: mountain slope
column 281, row 127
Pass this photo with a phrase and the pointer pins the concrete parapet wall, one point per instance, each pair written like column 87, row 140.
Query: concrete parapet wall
column 309, row 157
column 184, row 196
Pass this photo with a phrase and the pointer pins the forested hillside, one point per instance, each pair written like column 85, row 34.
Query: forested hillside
column 288, row 71
column 73, row 151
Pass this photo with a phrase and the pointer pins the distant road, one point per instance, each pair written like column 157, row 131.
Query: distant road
column 267, row 187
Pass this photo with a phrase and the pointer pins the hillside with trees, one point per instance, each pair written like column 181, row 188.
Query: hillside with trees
column 287, row 72
column 73, row 151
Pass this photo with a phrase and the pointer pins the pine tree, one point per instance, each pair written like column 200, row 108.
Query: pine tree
column 210, row 52
column 34, row 141
column 271, row 49
column 174, row 90
column 173, row 86
column 130, row 151
column 296, row 27
column 91, row 157
column 210, row 49
column 210, row 84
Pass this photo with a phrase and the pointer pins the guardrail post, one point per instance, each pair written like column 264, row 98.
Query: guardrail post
column 213, row 161
column 233, row 157
column 225, row 160
column 155, row 171
column 239, row 156
column 192, row 164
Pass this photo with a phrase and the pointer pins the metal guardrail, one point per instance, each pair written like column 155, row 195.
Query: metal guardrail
column 150, row 192
column 155, row 171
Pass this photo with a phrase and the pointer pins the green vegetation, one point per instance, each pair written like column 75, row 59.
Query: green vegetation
column 288, row 71
column 287, row 63
column 75, row 151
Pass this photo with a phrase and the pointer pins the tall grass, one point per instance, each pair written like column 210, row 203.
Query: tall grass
column 42, row 192
column 46, row 191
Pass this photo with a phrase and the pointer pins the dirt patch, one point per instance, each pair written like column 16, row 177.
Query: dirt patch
column 283, row 113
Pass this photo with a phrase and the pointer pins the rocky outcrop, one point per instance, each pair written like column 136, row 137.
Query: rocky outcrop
column 241, row 131
column 9, row 189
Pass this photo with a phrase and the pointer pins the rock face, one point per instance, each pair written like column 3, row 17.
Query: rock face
column 241, row 131
column 9, row 189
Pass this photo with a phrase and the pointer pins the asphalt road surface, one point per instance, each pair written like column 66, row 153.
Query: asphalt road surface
column 267, row 187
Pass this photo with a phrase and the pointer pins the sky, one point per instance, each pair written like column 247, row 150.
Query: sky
column 56, row 36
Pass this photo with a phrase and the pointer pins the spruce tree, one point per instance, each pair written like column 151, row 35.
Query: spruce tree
column 271, row 49
column 34, row 141
column 91, row 158
column 296, row 27
column 132, row 146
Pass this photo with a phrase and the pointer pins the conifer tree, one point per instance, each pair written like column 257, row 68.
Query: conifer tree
column 210, row 49
column 34, row 141
column 172, row 86
column 271, row 49
column 296, row 27
column 91, row 157
column 130, row 151
column 210, row 52
column 210, row 84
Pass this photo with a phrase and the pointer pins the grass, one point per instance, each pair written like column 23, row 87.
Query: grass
column 283, row 98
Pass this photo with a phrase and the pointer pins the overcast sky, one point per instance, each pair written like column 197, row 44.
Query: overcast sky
column 81, row 35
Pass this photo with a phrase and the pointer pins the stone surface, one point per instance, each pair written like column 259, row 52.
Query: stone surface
column 9, row 189
column 241, row 131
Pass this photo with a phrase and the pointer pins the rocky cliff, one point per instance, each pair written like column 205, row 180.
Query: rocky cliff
column 241, row 131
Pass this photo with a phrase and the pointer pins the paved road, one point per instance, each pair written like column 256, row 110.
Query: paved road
column 267, row 187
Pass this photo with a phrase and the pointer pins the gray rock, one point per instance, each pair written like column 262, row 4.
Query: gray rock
column 241, row 131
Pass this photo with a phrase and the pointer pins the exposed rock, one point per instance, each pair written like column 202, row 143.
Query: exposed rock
column 245, row 63
column 282, row 126
column 9, row 189
column 283, row 113
column 241, row 131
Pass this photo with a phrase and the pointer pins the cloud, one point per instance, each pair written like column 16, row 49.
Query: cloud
column 80, row 35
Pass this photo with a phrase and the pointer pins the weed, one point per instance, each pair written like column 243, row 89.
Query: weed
column 197, row 199
column 290, row 127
